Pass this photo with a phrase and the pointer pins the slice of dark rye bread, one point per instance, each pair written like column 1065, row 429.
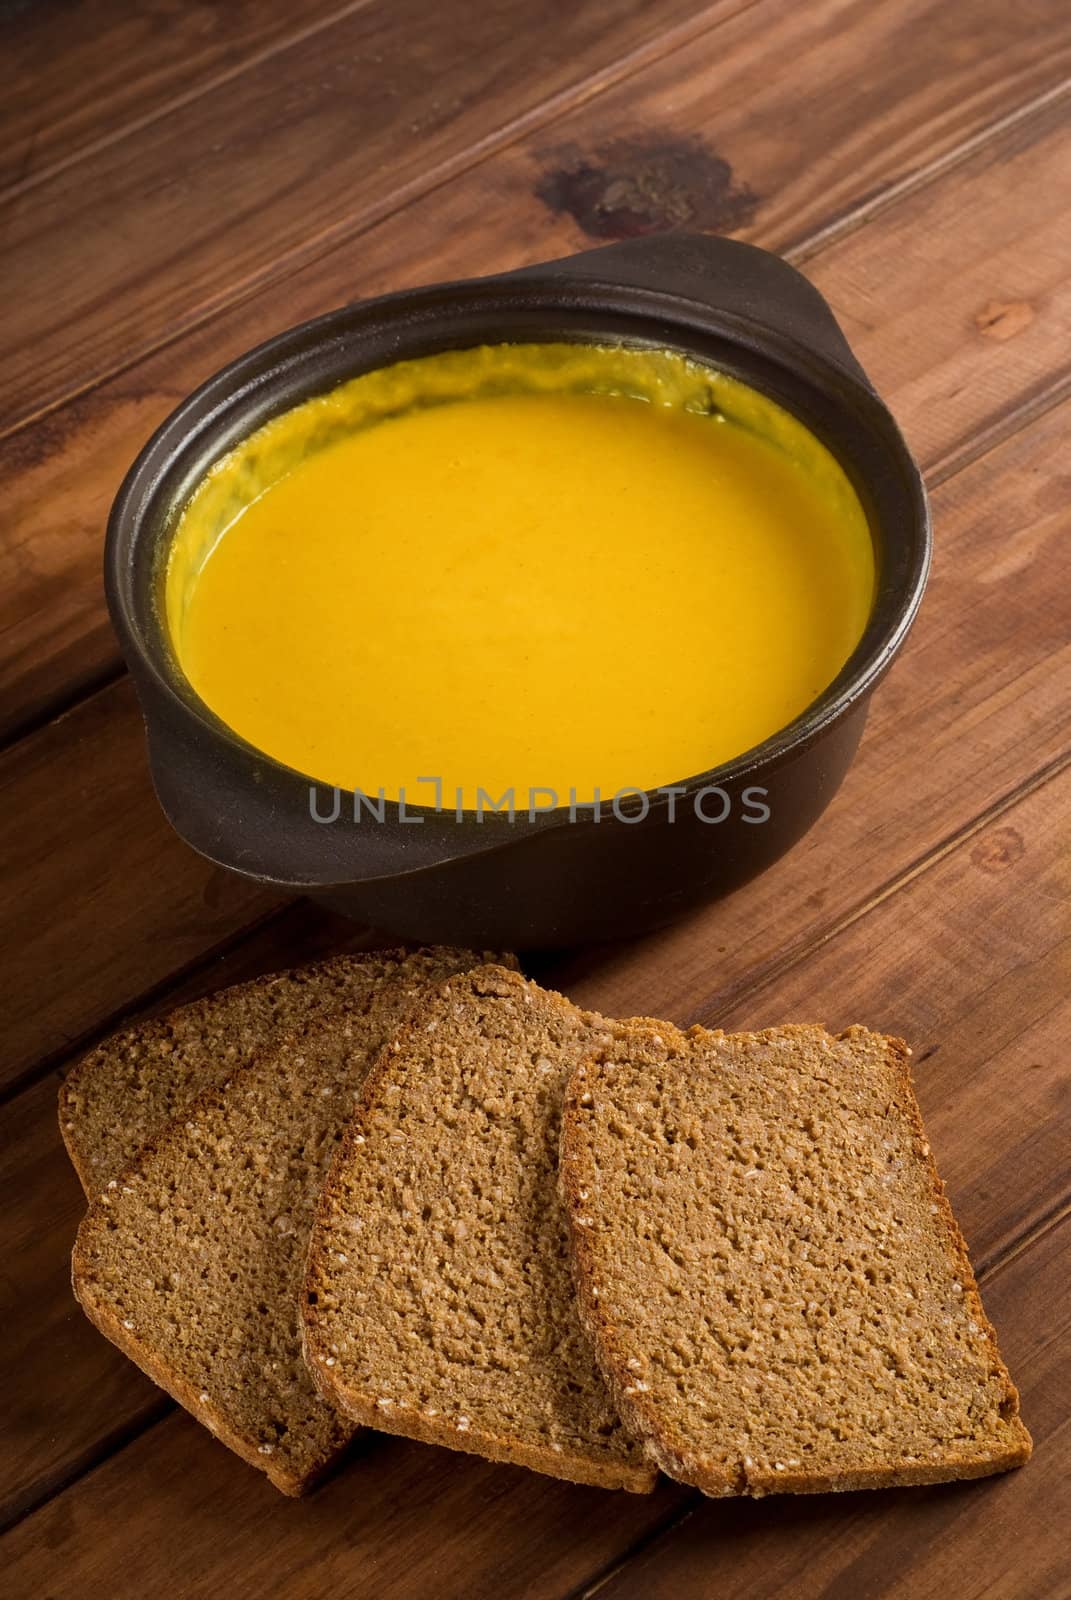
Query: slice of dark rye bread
column 192, row 1261
column 123, row 1092
column 768, row 1267
column 439, row 1296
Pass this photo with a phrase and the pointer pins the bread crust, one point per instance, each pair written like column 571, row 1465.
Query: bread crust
column 144, row 1356
column 70, row 1144
column 714, row 1477
column 173, row 1384
column 636, row 1477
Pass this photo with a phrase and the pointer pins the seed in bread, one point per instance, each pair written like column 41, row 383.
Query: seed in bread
column 768, row 1267
column 439, row 1299
column 193, row 1260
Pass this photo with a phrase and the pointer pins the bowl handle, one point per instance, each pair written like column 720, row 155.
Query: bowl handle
column 750, row 285
column 241, row 810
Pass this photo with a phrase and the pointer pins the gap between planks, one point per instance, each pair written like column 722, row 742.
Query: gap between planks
column 794, row 955
column 946, row 467
column 996, row 432
column 1024, row 1238
column 858, row 215
column 61, row 705
column 92, row 1458
column 964, row 455
column 255, row 58
column 539, row 117
column 482, row 148
column 677, row 34
column 63, row 1057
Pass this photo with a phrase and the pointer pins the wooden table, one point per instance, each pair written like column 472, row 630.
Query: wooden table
column 181, row 180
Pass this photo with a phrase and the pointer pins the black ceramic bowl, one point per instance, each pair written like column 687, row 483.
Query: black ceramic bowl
column 551, row 879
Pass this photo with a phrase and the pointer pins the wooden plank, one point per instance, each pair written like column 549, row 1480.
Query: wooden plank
column 994, row 1540
column 952, row 927
column 57, row 477
column 979, row 646
column 121, row 250
column 168, row 1516
column 71, row 1398
column 990, row 296
column 965, row 961
column 297, row 930
column 93, row 870
column 283, row 176
column 107, row 67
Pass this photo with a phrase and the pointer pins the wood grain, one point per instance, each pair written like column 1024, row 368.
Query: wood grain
column 399, row 1516
column 998, row 1539
column 1005, row 240
column 293, row 152
column 991, row 288
column 73, row 1399
column 184, row 180
column 965, row 961
column 120, row 66
column 93, row 870
column 147, row 906
column 402, row 1522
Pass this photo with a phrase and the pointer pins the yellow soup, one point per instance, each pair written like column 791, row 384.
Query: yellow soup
column 555, row 567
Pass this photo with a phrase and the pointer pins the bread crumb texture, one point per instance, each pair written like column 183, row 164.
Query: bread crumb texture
column 440, row 1302
column 774, row 1283
column 192, row 1260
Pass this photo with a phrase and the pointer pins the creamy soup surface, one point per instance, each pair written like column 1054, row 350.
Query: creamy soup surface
column 553, row 567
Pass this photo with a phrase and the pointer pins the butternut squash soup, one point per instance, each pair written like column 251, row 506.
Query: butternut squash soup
column 570, row 568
